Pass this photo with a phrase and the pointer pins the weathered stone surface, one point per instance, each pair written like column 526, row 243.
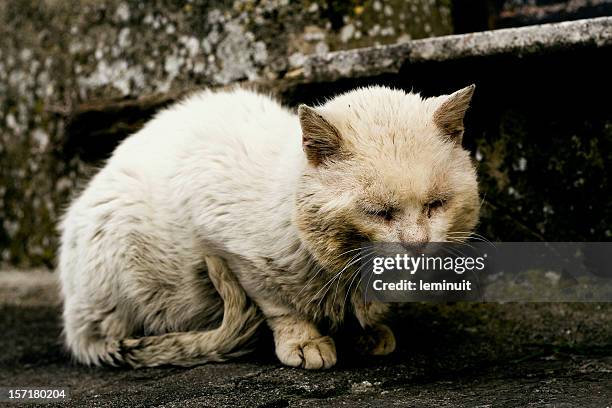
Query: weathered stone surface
column 511, row 41
column 56, row 55
column 524, row 12
column 63, row 110
column 461, row 355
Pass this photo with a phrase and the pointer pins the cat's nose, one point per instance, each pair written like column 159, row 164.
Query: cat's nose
column 415, row 247
column 414, row 239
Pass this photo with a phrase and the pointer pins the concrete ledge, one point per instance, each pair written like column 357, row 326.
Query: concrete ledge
column 369, row 61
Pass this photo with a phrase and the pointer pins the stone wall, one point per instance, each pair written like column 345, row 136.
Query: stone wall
column 57, row 55
column 77, row 77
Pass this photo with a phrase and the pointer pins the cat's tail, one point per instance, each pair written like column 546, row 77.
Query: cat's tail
column 241, row 318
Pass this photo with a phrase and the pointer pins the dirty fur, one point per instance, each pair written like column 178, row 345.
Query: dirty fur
column 227, row 209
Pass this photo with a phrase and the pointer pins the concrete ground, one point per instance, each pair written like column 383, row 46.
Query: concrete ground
column 459, row 355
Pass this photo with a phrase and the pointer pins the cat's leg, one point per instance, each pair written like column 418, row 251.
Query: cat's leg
column 298, row 342
column 240, row 322
column 98, row 329
column 377, row 338
column 93, row 313
column 89, row 323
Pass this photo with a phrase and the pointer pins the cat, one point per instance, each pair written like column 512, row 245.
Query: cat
column 227, row 210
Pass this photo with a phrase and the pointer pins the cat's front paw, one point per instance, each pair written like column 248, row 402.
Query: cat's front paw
column 377, row 340
column 311, row 354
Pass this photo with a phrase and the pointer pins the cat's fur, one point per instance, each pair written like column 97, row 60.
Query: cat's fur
column 229, row 206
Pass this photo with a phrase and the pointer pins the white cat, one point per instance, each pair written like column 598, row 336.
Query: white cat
column 228, row 207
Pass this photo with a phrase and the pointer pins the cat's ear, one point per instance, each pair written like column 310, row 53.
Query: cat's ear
column 320, row 139
column 451, row 111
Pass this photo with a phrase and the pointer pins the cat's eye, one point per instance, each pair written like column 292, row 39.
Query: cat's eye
column 433, row 206
column 385, row 214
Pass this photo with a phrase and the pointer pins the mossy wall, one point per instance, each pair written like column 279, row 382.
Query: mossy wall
column 58, row 54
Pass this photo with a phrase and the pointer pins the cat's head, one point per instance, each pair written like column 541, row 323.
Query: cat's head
column 384, row 165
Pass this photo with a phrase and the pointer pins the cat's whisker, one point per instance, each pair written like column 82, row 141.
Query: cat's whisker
column 355, row 274
column 482, row 201
column 357, row 287
column 469, row 234
column 462, row 243
column 367, row 284
column 339, row 278
column 482, row 238
column 334, row 277
column 365, row 263
column 477, row 235
column 321, row 268
column 318, row 271
column 466, row 235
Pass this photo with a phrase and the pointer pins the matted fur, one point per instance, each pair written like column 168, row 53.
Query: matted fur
column 227, row 195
